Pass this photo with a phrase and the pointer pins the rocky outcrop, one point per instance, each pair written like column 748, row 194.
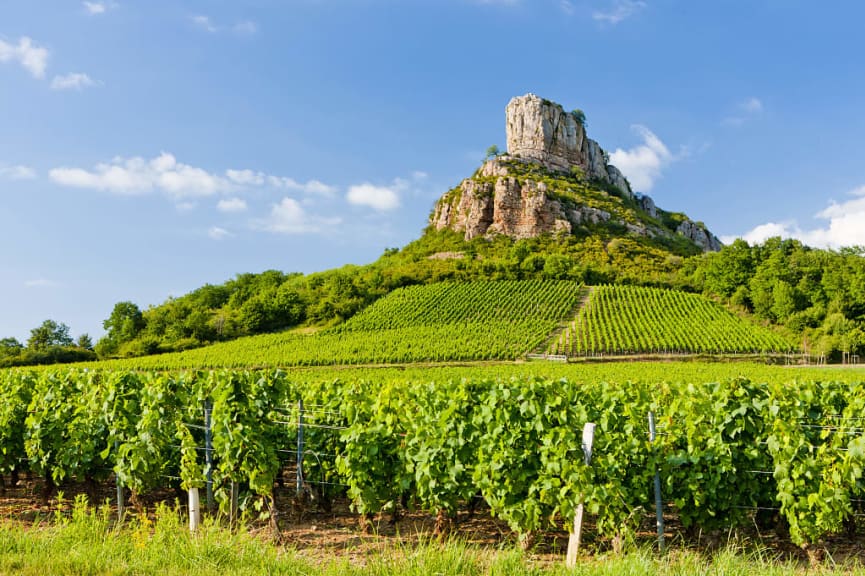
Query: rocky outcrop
column 548, row 148
column 506, row 206
column 698, row 234
column 648, row 205
column 541, row 131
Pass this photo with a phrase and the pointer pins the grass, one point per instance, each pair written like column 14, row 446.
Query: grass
column 85, row 541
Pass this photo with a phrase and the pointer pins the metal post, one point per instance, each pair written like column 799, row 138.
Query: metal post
column 299, row 448
column 232, row 509
column 574, row 539
column 121, row 505
column 208, row 452
column 659, row 504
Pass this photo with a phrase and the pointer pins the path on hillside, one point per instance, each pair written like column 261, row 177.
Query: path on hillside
column 571, row 322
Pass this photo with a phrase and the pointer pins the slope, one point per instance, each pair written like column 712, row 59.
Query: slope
column 439, row 322
column 633, row 320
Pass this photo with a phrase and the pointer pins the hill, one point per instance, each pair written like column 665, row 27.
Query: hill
column 555, row 180
column 438, row 322
column 634, row 320
column 550, row 208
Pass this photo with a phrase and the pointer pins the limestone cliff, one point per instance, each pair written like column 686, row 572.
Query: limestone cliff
column 555, row 180
column 541, row 131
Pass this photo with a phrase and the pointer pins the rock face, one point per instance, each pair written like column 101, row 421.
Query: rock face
column 648, row 205
column 506, row 206
column 699, row 236
column 548, row 147
column 541, row 131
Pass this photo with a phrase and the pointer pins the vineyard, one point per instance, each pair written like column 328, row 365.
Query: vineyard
column 726, row 448
column 634, row 320
column 499, row 320
column 494, row 320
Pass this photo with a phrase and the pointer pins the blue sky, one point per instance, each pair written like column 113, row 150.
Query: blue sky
column 148, row 148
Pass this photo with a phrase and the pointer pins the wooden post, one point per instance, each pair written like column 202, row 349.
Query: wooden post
column 574, row 539
column 194, row 510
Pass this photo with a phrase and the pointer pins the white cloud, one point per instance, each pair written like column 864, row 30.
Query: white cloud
column 245, row 27
column 204, row 23
column 40, row 283
column 381, row 198
column 251, row 178
column 241, row 27
column 567, row 6
column 231, row 205
column 73, row 81
column 217, row 233
column 752, row 105
column 619, row 11
column 745, row 109
column 136, row 176
column 845, row 226
column 30, row 56
column 289, row 217
column 643, row 164
column 98, row 7
column 17, row 172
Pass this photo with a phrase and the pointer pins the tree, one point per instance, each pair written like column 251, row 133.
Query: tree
column 493, row 151
column 84, row 341
column 125, row 322
column 49, row 334
column 580, row 116
column 10, row 347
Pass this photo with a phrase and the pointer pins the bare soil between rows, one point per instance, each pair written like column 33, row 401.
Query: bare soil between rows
column 338, row 534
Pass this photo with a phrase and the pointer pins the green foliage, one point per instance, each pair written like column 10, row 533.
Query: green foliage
column 373, row 464
column 440, row 322
column 726, row 445
column 65, row 432
column 492, row 152
column 49, row 334
column 441, row 444
column 632, row 319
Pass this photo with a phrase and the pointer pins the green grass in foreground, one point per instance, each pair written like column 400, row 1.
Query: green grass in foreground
column 85, row 542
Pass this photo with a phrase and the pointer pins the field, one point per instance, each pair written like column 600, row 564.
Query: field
column 434, row 323
column 739, row 445
column 633, row 320
column 734, row 439
column 495, row 321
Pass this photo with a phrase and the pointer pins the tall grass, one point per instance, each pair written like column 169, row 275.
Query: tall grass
column 86, row 541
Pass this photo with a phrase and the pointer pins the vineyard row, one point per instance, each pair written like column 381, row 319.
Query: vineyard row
column 513, row 441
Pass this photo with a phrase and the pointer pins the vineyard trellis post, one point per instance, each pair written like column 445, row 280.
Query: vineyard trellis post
column 232, row 510
column 299, row 448
column 194, row 510
column 659, row 503
column 208, row 452
column 121, row 505
column 574, row 539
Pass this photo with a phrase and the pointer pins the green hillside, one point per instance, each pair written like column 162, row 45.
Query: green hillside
column 438, row 322
column 633, row 319
column 494, row 320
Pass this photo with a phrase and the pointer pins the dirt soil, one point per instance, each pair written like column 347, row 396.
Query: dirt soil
column 324, row 536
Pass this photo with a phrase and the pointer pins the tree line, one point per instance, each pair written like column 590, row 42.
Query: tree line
column 814, row 296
